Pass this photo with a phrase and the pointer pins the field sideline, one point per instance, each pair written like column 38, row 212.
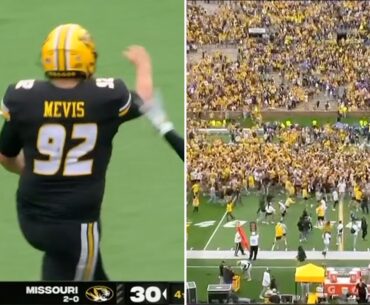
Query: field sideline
column 205, row 272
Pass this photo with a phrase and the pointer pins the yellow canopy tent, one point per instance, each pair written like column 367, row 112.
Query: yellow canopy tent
column 310, row 273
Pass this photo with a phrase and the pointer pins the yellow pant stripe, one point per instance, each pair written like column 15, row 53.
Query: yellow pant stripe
column 90, row 259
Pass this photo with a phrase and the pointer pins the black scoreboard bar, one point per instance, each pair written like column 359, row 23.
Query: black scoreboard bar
column 54, row 293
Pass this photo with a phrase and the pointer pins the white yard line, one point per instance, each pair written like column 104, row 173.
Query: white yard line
column 341, row 217
column 255, row 267
column 279, row 255
column 214, row 232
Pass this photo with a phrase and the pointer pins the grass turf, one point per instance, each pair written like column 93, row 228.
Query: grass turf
column 305, row 119
column 223, row 239
column 134, row 224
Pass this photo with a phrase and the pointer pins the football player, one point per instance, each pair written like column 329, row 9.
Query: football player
column 64, row 126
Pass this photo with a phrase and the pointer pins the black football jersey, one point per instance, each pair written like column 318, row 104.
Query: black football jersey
column 66, row 136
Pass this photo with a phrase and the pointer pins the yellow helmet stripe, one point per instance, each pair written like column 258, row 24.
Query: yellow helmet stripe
column 61, row 48
column 55, row 46
column 67, row 54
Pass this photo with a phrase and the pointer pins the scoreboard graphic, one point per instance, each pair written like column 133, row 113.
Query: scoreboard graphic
column 29, row 293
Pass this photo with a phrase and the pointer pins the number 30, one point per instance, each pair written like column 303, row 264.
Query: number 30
column 50, row 142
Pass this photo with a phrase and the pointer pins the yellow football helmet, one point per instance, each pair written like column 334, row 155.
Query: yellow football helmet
column 69, row 51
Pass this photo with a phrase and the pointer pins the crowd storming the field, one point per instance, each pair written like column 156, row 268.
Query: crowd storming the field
column 324, row 163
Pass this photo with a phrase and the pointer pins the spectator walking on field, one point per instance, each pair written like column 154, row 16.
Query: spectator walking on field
column 266, row 281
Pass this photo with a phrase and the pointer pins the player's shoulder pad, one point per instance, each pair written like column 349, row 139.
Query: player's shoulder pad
column 20, row 88
column 114, row 87
column 114, row 84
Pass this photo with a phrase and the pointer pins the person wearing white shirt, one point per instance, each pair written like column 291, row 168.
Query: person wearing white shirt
column 253, row 241
column 246, row 267
column 269, row 213
column 335, row 196
column 283, row 209
column 340, row 232
column 341, row 189
column 266, row 281
column 238, row 244
column 326, row 239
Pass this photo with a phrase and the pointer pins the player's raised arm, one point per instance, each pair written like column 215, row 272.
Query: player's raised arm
column 152, row 106
column 144, row 78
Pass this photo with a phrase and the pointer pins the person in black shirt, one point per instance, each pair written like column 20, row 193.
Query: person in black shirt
column 364, row 227
column 273, row 284
column 58, row 137
column 362, row 292
column 301, row 256
column 228, row 275
column 365, row 205
column 221, row 272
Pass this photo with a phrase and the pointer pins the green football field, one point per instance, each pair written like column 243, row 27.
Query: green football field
column 209, row 229
column 142, row 214
column 205, row 272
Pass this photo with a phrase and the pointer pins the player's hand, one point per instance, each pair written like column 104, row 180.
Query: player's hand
column 138, row 55
column 144, row 78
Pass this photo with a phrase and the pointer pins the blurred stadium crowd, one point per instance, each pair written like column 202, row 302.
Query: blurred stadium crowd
column 287, row 54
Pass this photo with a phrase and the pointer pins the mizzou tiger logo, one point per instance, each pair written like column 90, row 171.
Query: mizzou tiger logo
column 99, row 294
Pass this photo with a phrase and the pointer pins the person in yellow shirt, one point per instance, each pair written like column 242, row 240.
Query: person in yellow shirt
column 196, row 193
column 320, row 212
column 358, row 197
column 229, row 209
column 280, row 235
column 327, row 227
column 251, row 182
column 289, row 202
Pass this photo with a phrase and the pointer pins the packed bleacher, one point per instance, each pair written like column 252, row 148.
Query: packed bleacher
column 302, row 49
